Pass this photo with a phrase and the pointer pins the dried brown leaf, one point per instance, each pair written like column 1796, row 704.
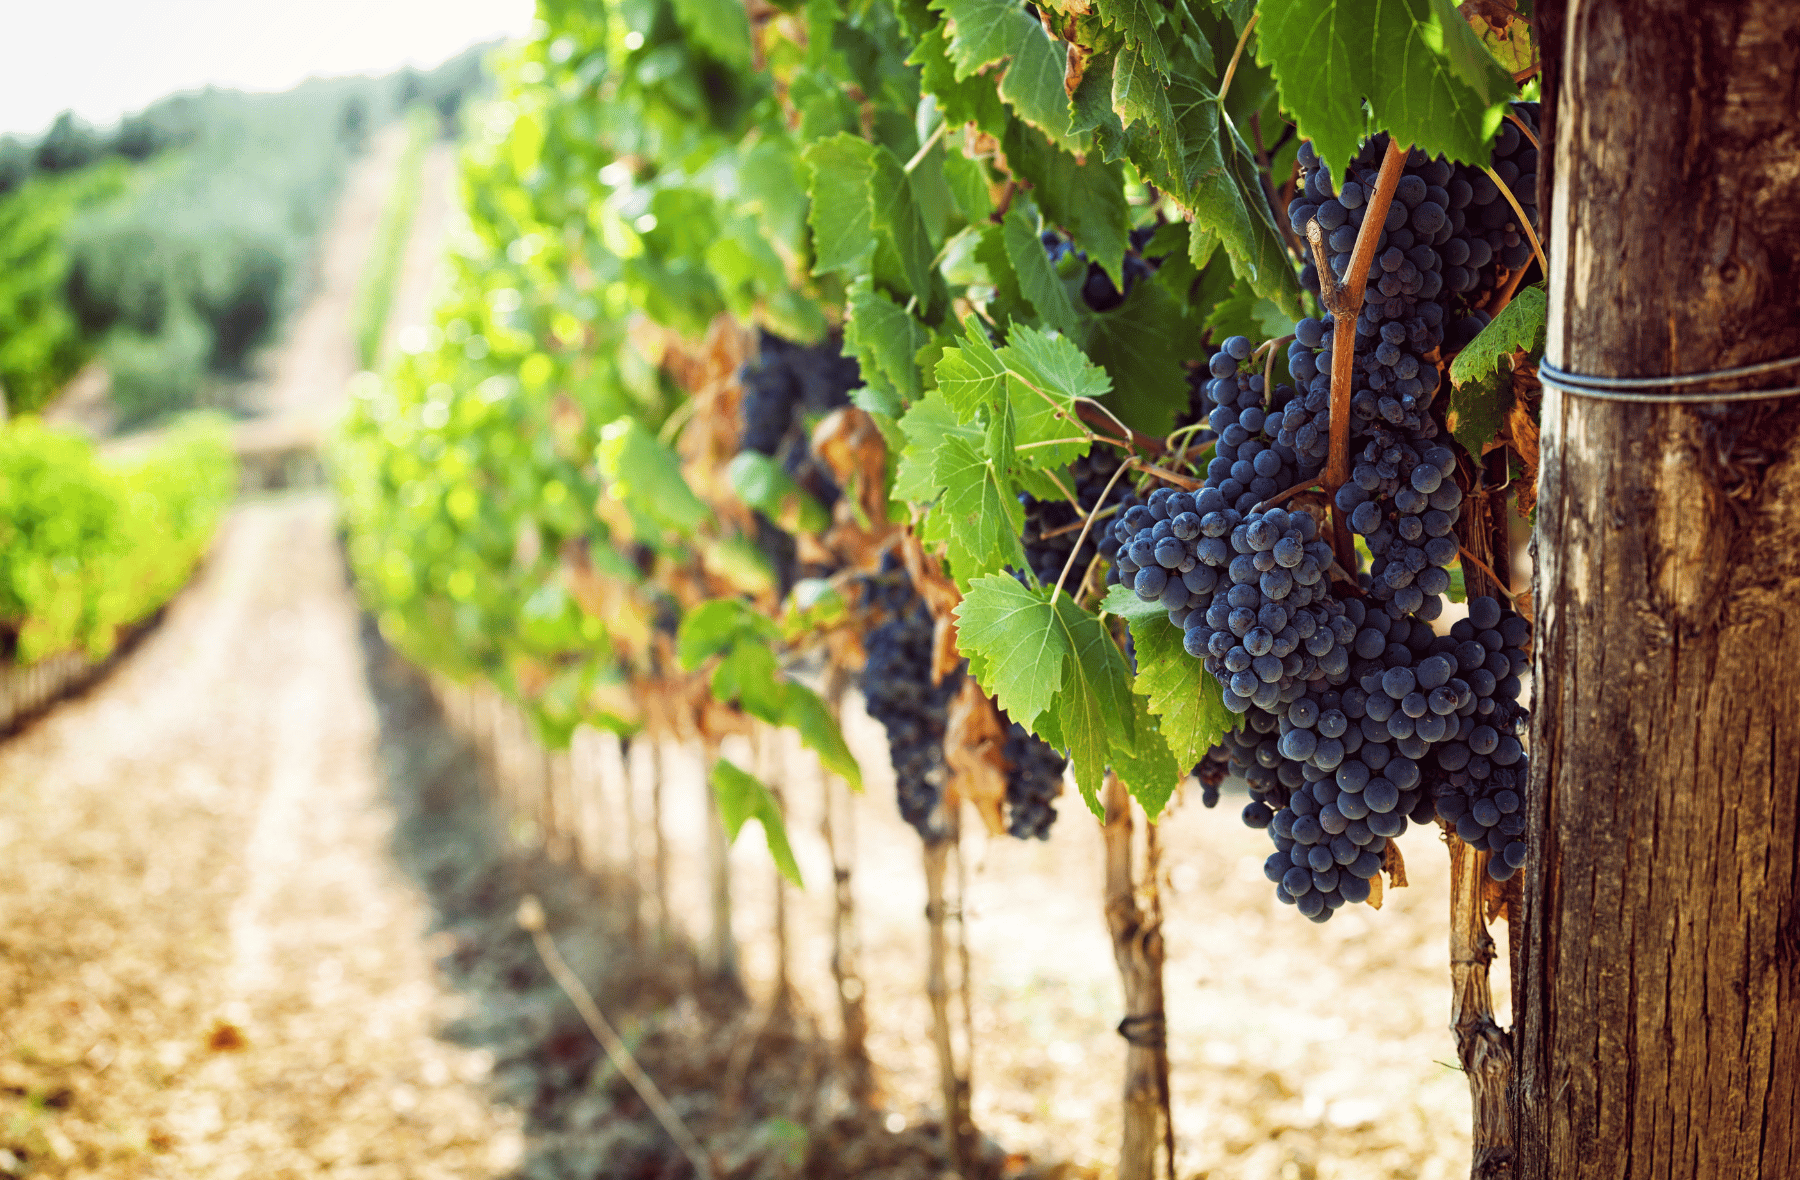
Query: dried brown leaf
column 1394, row 865
column 974, row 744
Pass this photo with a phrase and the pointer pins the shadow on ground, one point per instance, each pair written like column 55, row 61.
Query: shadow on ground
column 763, row 1093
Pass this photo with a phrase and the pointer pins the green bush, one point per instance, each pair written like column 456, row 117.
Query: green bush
column 41, row 341
column 157, row 375
column 87, row 548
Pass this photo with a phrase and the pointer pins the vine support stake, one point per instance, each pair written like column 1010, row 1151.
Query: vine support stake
column 838, row 824
column 720, row 960
column 1138, row 950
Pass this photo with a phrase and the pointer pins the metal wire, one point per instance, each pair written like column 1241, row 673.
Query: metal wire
column 1617, row 388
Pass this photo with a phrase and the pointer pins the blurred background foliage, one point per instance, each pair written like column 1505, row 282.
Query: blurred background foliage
column 172, row 245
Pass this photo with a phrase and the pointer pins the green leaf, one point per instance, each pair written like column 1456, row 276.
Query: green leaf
column 1519, row 326
column 1449, row 33
column 1147, row 767
column 968, row 187
column 986, row 31
column 1478, row 409
column 763, row 484
column 1086, row 199
column 1245, row 313
column 840, row 213
column 1188, row 703
column 897, row 217
column 927, row 425
column 718, row 625
column 1323, row 58
column 981, row 515
column 1031, row 654
column 1033, row 84
column 721, row 27
column 1015, row 649
column 1046, row 374
column 1140, row 92
column 1137, row 21
column 807, row 714
column 742, row 796
column 749, row 677
column 1142, row 344
column 1416, row 61
column 646, row 475
column 1037, row 279
column 1420, row 97
column 885, row 338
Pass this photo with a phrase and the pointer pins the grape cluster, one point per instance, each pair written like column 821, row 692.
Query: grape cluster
column 1404, row 500
column 1479, row 775
column 1052, row 526
column 897, row 686
column 1247, row 589
column 1033, row 781
column 1359, row 718
column 785, row 381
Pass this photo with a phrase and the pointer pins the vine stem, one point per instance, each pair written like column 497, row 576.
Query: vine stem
column 1486, row 569
column 1086, row 525
column 1185, row 482
column 1243, row 39
column 531, row 917
column 1097, row 415
column 925, row 148
column 1524, row 222
column 1284, row 493
column 1344, row 301
column 1524, row 130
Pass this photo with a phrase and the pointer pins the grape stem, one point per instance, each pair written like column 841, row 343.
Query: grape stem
column 1278, row 497
column 1524, row 222
column 1186, row 482
column 1344, row 302
column 1484, row 568
column 1525, row 131
column 1269, row 368
column 1243, row 39
column 1088, row 524
column 1095, row 414
column 925, row 148
column 1075, row 524
column 1051, row 476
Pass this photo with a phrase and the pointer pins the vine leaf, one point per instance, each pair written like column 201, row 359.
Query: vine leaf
column 809, row 717
column 1038, row 281
column 885, row 338
column 1136, row 20
column 742, row 796
column 987, row 31
column 763, row 484
column 721, row 27
column 962, row 471
column 646, row 476
column 840, row 213
column 1054, row 669
column 1189, row 705
column 1086, row 199
column 1149, row 769
column 1519, row 326
column 1426, row 75
column 1036, row 377
column 1142, row 344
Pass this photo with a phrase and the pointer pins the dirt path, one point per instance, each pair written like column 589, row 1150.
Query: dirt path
column 207, row 966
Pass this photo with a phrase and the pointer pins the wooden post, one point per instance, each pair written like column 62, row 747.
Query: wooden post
column 665, row 929
column 1138, row 950
column 720, row 952
column 839, row 828
column 1659, row 1024
column 937, row 990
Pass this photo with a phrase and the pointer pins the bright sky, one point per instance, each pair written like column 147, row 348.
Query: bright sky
column 107, row 57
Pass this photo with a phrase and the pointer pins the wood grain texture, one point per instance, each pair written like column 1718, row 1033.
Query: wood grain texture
column 1138, row 950
column 1659, row 1030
